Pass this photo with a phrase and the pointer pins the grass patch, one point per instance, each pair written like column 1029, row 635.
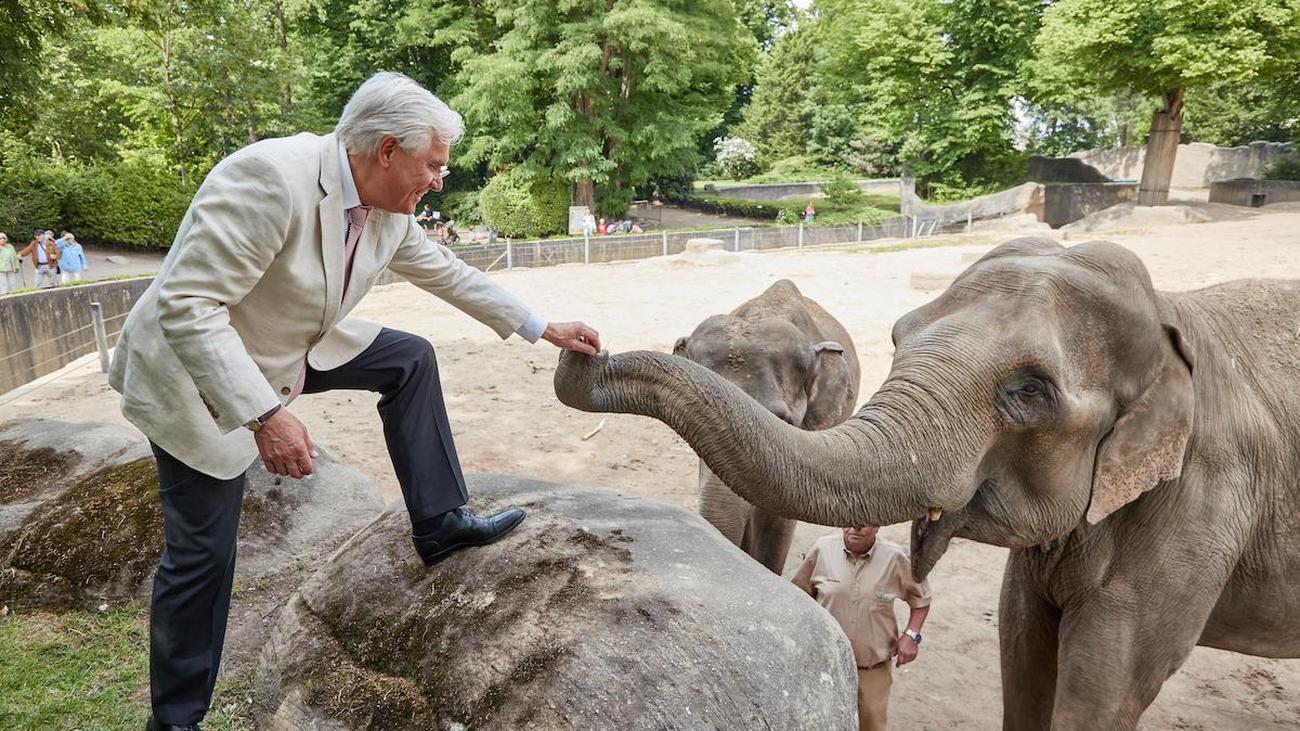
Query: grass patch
column 84, row 670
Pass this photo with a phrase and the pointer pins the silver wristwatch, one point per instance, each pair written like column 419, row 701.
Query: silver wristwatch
column 913, row 635
column 255, row 425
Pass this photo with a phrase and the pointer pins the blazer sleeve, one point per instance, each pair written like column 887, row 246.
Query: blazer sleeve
column 238, row 223
column 435, row 269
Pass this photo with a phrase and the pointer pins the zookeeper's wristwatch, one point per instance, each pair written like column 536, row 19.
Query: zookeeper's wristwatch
column 913, row 635
column 256, row 424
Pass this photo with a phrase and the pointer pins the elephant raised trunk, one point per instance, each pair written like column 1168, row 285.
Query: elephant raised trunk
column 868, row 470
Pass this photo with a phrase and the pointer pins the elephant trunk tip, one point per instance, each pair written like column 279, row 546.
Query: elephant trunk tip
column 579, row 379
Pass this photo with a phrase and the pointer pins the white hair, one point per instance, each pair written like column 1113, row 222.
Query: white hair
column 393, row 104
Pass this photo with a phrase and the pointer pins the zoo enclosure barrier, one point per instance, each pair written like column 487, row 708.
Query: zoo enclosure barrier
column 628, row 247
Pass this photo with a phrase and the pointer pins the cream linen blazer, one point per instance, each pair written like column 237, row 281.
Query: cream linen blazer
column 253, row 285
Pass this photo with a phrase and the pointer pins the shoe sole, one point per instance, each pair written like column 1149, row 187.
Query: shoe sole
column 446, row 552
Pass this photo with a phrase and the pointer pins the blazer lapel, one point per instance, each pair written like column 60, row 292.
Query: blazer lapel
column 331, row 227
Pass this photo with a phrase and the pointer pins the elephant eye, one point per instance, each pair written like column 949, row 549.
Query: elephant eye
column 1031, row 389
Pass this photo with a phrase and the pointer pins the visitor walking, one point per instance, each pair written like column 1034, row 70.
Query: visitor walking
column 10, row 265
column 45, row 259
column 72, row 260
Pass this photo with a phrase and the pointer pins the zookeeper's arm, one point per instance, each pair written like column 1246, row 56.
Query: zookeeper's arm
column 435, row 269
column 917, row 596
column 803, row 577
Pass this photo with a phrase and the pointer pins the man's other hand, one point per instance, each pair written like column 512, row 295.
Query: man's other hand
column 905, row 650
column 284, row 445
column 573, row 336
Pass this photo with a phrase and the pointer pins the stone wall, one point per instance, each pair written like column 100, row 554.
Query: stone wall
column 1196, row 166
column 779, row 191
column 1025, row 198
column 40, row 332
column 1068, row 202
column 1254, row 193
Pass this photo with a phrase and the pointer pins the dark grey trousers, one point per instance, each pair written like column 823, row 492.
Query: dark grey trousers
column 191, row 589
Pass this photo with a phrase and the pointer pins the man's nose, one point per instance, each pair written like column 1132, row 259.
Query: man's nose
column 435, row 183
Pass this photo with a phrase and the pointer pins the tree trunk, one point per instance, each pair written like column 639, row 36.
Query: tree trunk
column 282, row 30
column 584, row 194
column 1162, row 149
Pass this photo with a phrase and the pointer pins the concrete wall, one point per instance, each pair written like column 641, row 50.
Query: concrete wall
column 40, row 332
column 1025, row 198
column 1254, row 193
column 1068, row 202
column 778, row 191
column 1196, row 166
column 1062, row 170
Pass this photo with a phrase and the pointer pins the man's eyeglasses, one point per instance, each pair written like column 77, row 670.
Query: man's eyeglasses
column 443, row 172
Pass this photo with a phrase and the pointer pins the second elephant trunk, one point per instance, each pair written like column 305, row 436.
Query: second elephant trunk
column 868, row 470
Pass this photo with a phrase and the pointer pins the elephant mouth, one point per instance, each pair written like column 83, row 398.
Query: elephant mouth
column 930, row 539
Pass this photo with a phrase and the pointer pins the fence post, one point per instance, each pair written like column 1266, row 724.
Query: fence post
column 665, row 242
column 968, row 217
column 510, row 255
column 586, row 248
column 101, row 338
column 801, row 235
column 735, row 246
column 859, row 232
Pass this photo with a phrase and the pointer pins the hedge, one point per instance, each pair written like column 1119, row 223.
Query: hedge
column 524, row 206
column 136, row 203
column 729, row 206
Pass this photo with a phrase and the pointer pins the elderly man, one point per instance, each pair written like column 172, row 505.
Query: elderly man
column 281, row 241
column 45, row 258
column 856, row 577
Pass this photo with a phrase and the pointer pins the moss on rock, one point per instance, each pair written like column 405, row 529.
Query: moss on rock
column 97, row 541
column 25, row 472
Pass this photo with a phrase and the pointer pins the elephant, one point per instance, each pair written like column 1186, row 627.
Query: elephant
column 1135, row 450
column 793, row 357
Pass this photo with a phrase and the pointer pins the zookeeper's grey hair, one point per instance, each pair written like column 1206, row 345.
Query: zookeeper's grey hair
column 394, row 104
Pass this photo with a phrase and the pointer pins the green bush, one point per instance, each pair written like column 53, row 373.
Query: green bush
column 525, row 206
column 1284, row 168
column 136, row 203
column 33, row 197
column 729, row 206
column 463, row 207
column 843, row 192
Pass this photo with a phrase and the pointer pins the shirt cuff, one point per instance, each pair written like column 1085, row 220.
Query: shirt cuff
column 532, row 328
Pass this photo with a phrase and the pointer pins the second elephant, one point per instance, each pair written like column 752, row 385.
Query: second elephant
column 794, row 358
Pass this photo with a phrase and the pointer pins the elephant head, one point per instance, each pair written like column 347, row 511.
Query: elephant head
column 1046, row 386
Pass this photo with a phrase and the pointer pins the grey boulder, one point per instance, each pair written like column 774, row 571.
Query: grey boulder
column 600, row 611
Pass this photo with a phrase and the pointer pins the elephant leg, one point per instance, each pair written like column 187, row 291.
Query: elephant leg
column 724, row 509
column 768, row 538
column 1028, row 630
column 1118, row 647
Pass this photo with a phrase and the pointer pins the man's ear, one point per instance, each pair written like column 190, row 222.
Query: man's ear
column 1147, row 443
column 679, row 348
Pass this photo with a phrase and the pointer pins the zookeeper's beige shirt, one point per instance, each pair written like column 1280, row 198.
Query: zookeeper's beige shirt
column 859, row 592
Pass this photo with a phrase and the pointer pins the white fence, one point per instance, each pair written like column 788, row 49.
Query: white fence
column 625, row 247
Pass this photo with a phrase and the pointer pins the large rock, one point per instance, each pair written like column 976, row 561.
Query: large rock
column 600, row 611
column 85, row 522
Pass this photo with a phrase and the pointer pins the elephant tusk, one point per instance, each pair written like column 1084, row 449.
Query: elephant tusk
column 934, row 514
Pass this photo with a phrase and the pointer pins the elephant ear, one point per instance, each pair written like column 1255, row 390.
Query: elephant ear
column 828, row 385
column 1147, row 444
column 679, row 347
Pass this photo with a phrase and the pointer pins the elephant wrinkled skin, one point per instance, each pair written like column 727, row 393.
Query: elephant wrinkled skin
column 797, row 361
column 1136, row 450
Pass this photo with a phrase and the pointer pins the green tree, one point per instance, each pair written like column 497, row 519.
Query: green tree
column 602, row 93
column 1164, row 51
column 779, row 112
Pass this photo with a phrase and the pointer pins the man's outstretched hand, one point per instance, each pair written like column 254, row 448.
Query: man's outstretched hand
column 573, row 336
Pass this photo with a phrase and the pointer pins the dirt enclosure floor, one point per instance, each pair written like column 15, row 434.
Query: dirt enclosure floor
column 507, row 421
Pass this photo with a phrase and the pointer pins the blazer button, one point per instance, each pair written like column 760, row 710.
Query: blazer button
column 286, row 390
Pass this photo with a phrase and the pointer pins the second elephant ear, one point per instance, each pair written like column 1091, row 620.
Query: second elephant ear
column 829, row 385
column 679, row 347
column 1147, row 444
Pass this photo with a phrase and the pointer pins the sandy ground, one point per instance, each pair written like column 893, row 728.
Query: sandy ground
column 508, row 421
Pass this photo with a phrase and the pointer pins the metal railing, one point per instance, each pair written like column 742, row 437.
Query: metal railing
column 626, row 247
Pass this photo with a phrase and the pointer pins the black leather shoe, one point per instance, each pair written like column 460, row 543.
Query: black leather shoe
column 154, row 725
column 462, row 529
